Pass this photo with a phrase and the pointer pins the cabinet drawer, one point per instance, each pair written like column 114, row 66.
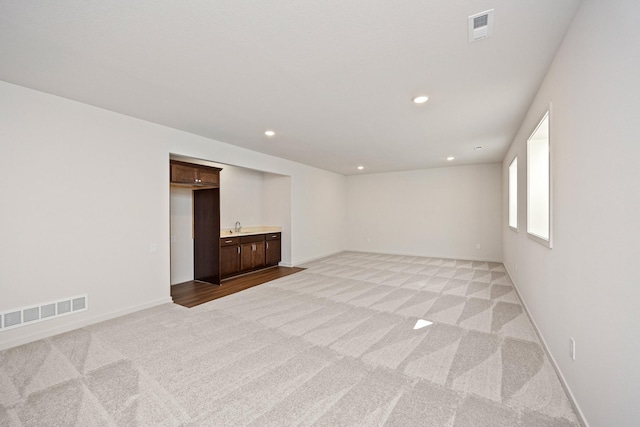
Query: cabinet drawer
column 229, row 241
column 252, row 238
column 272, row 236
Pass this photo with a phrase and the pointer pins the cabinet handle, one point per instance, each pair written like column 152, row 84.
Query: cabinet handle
column 274, row 236
column 238, row 250
column 228, row 241
column 267, row 245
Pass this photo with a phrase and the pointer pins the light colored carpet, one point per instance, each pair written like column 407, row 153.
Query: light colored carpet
column 333, row 345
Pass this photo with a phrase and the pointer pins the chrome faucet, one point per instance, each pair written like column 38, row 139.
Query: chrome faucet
column 238, row 226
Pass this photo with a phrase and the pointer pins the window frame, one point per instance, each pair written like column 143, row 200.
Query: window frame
column 515, row 187
column 548, row 242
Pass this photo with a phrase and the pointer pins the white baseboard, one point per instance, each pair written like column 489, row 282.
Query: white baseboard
column 460, row 257
column 46, row 333
column 567, row 389
column 467, row 258
column 299, row 263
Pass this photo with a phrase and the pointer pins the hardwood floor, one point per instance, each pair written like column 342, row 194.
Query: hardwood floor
column 190, row 294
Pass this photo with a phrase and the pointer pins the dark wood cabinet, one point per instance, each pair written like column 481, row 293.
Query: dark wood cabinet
column 251, row 252
column 204, row 181
column 192, row 175
column 229, row 256
column 273, row 250
column 206, row 229
column 243, row 254
column 208, row 176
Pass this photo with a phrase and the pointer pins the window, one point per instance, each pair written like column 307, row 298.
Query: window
column 538, row 184
column 513, row 194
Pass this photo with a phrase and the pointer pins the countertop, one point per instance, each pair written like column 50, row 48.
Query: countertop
column 248, row 231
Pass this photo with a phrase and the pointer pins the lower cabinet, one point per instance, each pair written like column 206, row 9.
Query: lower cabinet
column 273, row 251
column 229, row 256
column 251, row 252
column 247, row 253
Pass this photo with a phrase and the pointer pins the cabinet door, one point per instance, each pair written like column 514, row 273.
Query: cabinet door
column 251, row 256
column 246, row 256
column 208, row 176
column 229, row 260
column 258, row 254
column 183, row 174
column 206, row 235
column 194, row 176
column 273, row 252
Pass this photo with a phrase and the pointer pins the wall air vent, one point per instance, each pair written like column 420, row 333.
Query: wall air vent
column 480, row 25
column 10, row 319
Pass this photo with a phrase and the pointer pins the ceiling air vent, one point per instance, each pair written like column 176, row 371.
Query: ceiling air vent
column 480, row 25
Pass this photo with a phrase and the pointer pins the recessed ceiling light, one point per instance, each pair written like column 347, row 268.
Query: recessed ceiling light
column 421, row 99
column 360, row 167
column 269, row 133
column 477, row 147
column 450, row 158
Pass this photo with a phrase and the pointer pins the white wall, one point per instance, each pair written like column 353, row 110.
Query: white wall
column 240, row 196
column 587, row 286
column 440, row 212
column 276, row 210
column 84, row 195
column 85, row 192
column 181, row 235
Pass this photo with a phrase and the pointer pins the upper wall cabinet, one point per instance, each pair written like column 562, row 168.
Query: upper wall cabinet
column 191, row 175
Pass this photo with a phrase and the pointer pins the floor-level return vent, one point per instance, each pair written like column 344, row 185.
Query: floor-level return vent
column 10, row 319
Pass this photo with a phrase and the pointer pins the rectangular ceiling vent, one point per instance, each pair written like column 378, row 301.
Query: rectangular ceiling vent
column 480, row 25
column 37, row 313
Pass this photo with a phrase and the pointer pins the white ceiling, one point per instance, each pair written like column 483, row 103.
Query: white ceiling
column 334, row 79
